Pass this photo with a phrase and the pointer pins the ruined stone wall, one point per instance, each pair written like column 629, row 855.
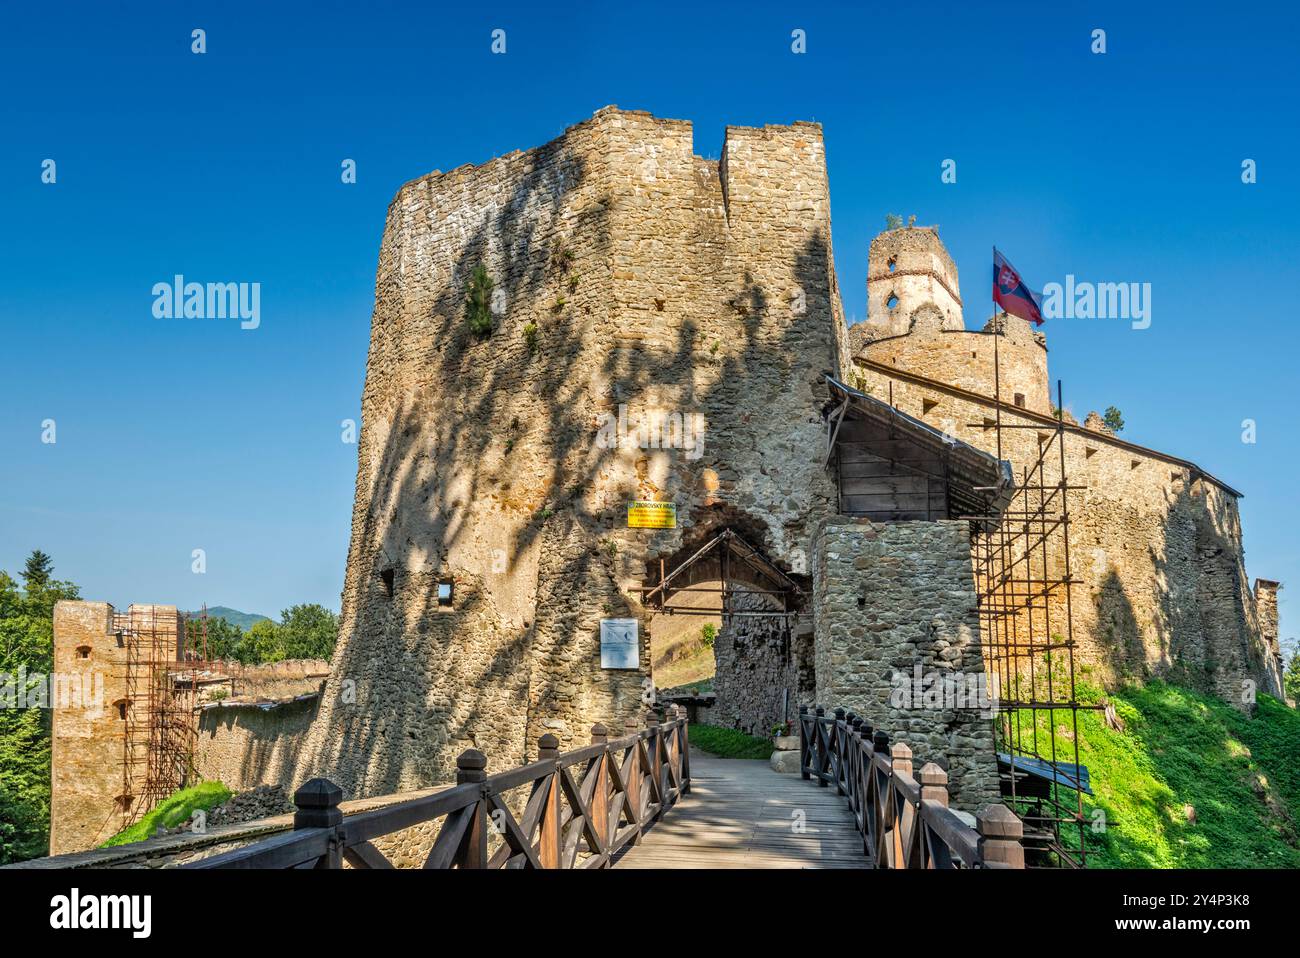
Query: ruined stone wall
column 965, row 359
column 88, row 734
column 890, row 598
column 764, row 668
column 1266, row 611
column 265, row 681
column 245, row 745
column 910, row 267
column 629, row 273
column 1157, row 545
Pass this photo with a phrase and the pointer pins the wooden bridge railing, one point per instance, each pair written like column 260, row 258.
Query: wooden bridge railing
column 903, row 823
column 583, row 807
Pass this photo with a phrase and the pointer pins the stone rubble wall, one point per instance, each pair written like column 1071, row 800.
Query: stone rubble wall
column 964, row 358
column 246, row 745
column 892, row 597
column 1158, row 548
column 763, row 673
column 655, row 280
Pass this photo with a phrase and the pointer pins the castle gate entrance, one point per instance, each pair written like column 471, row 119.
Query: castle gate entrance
column 762, row 647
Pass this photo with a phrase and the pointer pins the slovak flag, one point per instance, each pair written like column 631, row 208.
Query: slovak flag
column 1011, row 293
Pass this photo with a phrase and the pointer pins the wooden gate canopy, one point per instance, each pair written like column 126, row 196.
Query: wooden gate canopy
column 892, row 467
column 726, row 558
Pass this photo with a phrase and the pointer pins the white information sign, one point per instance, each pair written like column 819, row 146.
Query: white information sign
column 620, row 646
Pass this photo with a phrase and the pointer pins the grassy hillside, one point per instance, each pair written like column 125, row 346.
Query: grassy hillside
column 1240, row 776
column 680, row 653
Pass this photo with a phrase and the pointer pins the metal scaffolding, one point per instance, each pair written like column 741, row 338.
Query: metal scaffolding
column 1025, row 581
column 159, row 712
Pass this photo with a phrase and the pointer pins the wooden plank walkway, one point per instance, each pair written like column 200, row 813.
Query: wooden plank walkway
column 740, row 814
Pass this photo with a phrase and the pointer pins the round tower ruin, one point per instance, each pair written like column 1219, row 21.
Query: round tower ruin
column 907, row 268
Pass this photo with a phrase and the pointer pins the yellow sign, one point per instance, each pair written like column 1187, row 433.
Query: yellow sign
column 651, row 515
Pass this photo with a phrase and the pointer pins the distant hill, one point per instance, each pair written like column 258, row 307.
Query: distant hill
column 241, row 620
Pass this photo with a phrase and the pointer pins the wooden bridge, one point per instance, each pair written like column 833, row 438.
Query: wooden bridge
column 643, row 801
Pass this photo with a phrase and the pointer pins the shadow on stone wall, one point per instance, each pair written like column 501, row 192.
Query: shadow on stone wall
column 428, row 683
column 1204, row 634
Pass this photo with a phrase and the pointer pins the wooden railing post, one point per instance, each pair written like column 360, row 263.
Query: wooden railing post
column 840, row 751
column 900, row 763
column 880, row 743
column 934, row 784
column 803, row 744
column 855, row 762
column 317, row 806
column 655, row 752
column 900, row 758
column 632, row 779
column 823, row 760
column 685, row 733
column 600, row 796
column 471, row 767
column 1000, row 833
column 548, row 750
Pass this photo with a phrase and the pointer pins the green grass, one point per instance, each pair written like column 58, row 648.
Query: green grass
column 728, row 742
column 172, row 811
column 1179, row 748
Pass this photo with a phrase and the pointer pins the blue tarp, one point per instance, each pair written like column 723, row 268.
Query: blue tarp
column 1063, row 773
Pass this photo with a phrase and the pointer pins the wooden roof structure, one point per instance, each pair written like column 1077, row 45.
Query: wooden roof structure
column 892, row 467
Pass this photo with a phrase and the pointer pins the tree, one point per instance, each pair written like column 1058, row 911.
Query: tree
column 307, row 632
column 893, row 221
column 708, row 634
column 1291, row 680
column 261, row 643
column 1113, row 419
column 27, row 642
column 36, row 573
column 223, row 638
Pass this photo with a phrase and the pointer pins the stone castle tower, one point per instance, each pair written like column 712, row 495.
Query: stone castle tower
column 631, row 278
column 907, row 268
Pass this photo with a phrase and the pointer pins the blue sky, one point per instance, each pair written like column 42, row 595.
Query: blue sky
column 176, row 435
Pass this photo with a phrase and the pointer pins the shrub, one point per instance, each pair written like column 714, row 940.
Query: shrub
column 478, row 301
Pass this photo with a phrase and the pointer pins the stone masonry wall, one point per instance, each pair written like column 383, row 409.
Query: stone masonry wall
column 763, row 673
column 245, row 745
column 965, row 359
column 90, row 798
column 890, row 598
column 1158, row 548
column 87, row 743
column 630, row 276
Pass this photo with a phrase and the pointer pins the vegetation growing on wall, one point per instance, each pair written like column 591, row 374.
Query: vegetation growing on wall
column 478, row 301
column 1113, row 419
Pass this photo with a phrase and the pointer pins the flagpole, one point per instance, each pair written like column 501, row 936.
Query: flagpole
column 997, row 385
